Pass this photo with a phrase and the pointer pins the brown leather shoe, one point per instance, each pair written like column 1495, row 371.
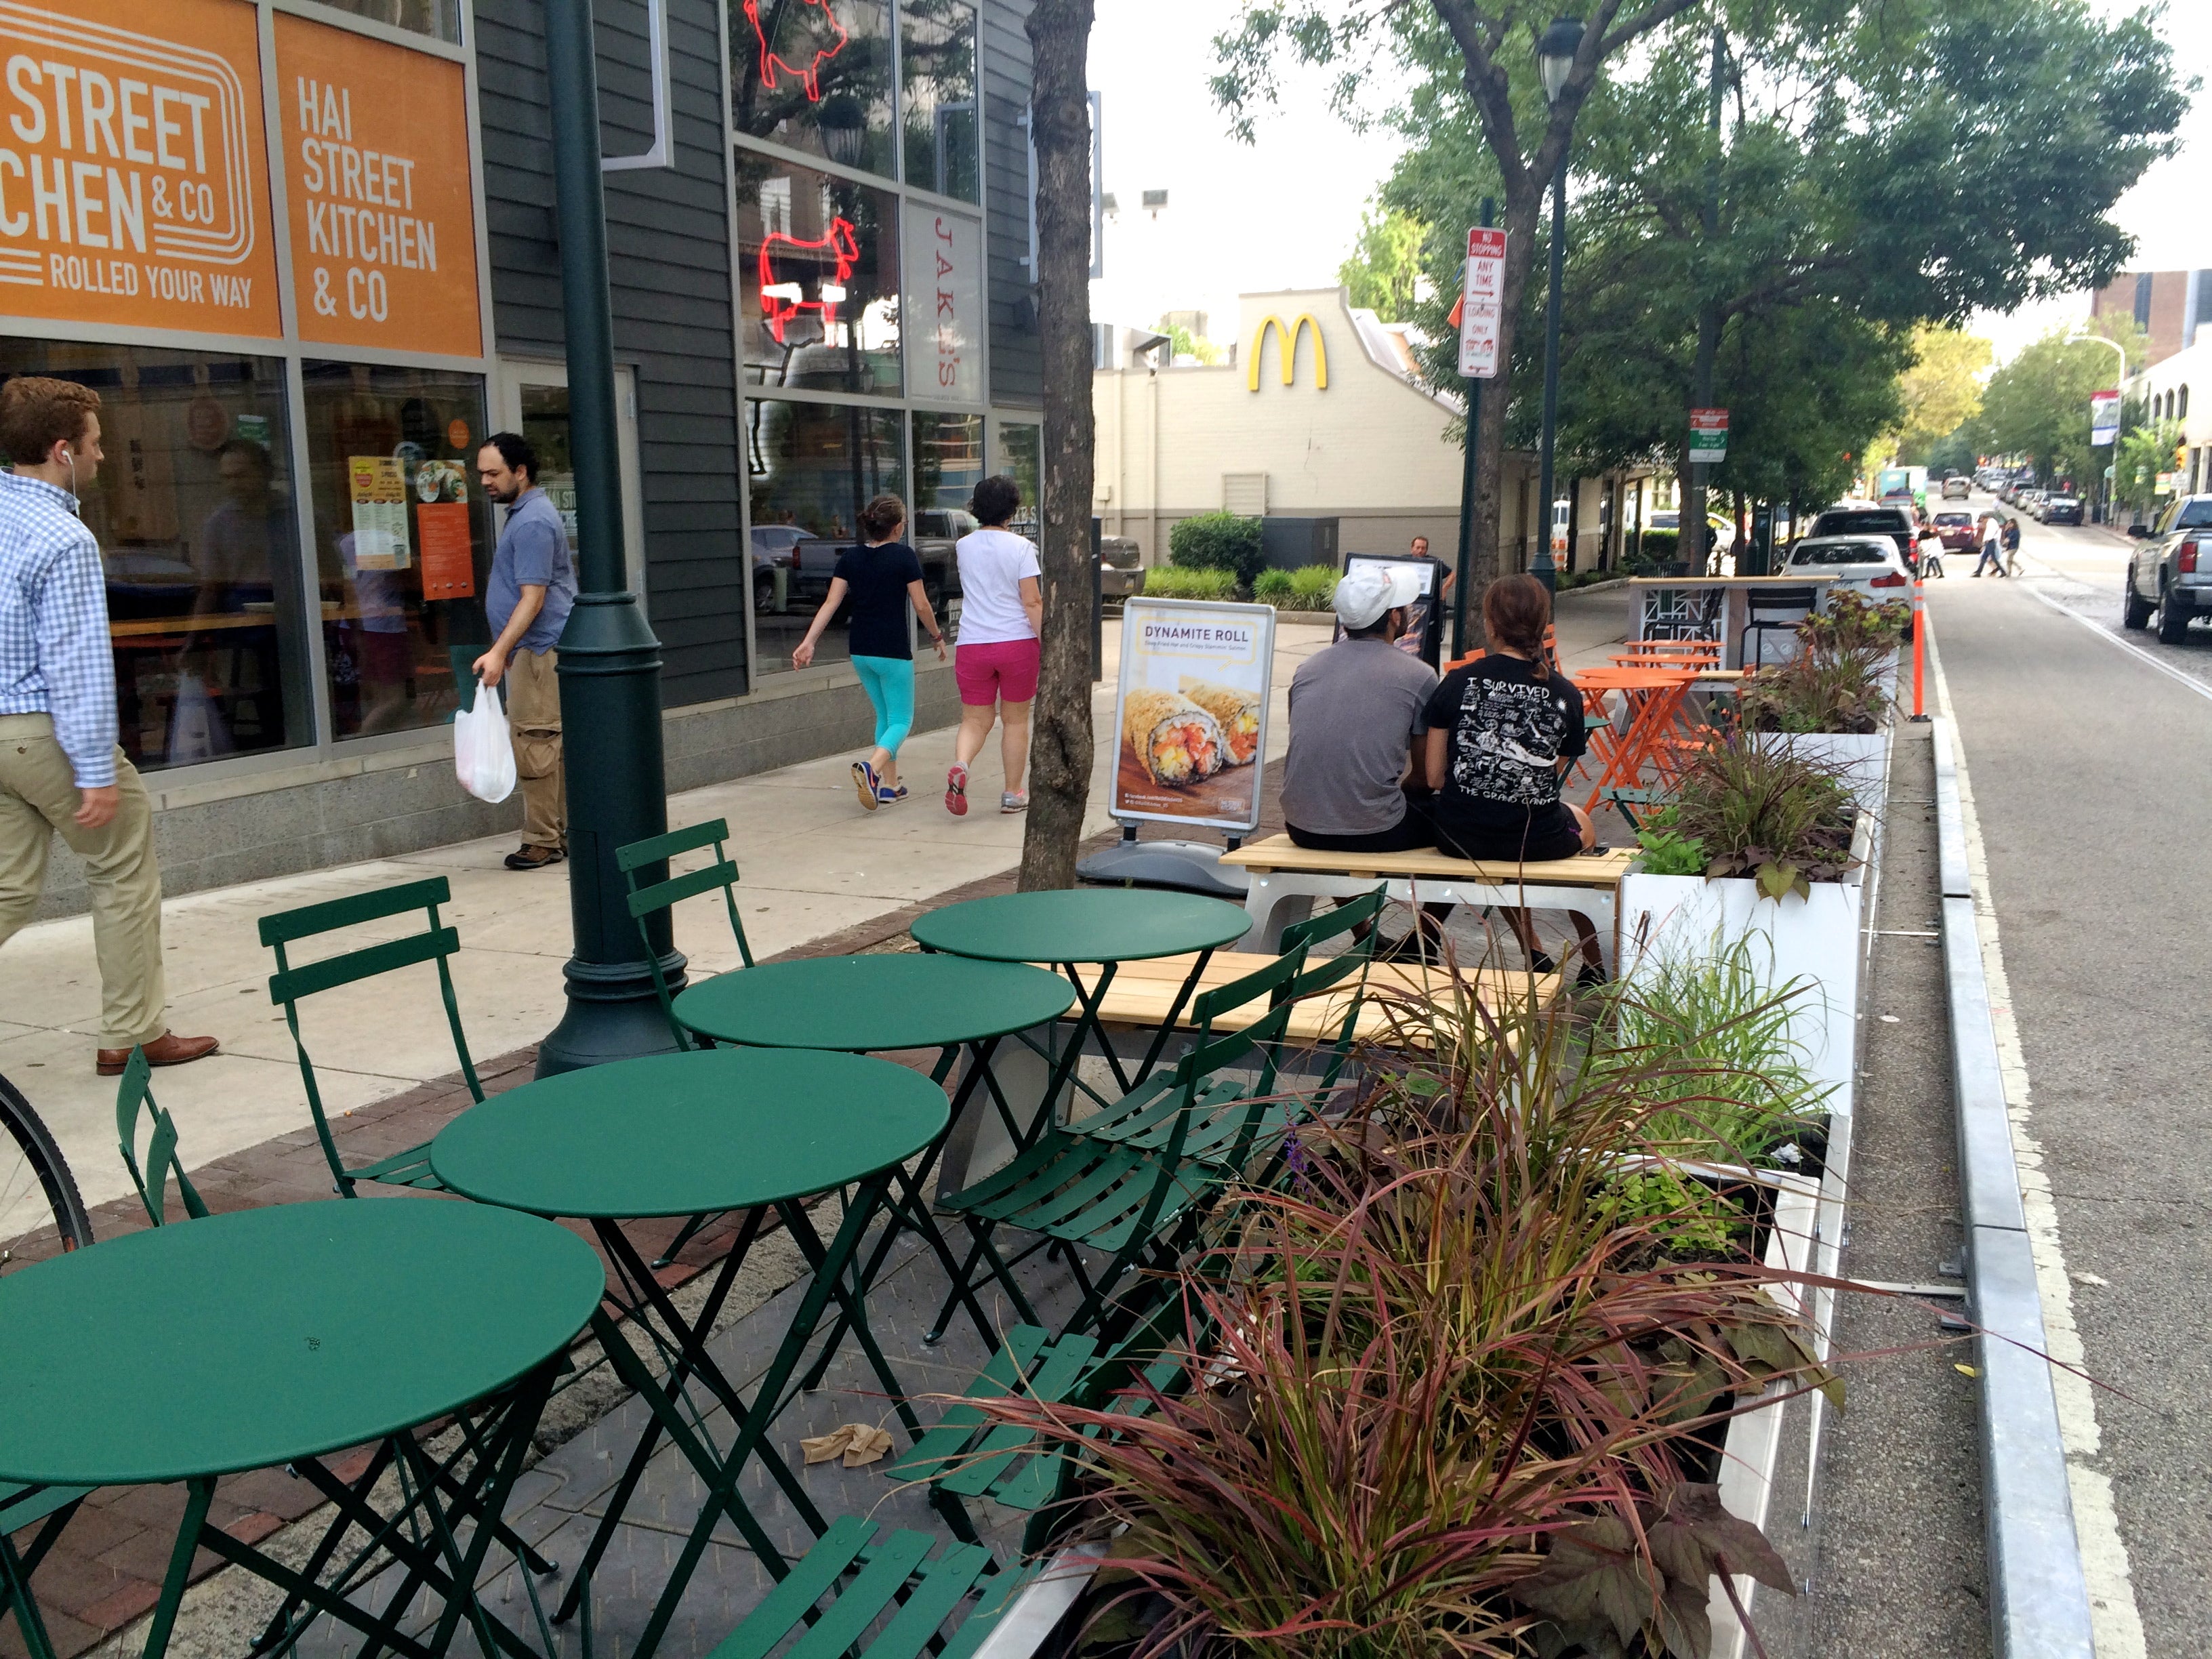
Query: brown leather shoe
column 167, row 1049
column 534, row 857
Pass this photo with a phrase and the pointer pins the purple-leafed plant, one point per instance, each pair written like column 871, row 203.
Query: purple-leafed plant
column 1462, row 1386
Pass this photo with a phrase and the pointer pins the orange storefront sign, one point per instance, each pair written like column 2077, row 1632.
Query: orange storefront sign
column 134, row 177
column 382, row 213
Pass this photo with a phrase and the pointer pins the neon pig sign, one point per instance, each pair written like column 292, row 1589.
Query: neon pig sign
column 786, row 298
column 816, row 21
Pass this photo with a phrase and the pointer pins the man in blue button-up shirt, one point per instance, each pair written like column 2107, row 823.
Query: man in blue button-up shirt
column 60, row 769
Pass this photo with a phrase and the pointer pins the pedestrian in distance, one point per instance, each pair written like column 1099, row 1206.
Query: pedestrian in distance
column 1001, row 617
column 2012, row 545
column 1929, row 547
column 883, row 577
column 1992, row 532
column 61, row 769
column 532, row 589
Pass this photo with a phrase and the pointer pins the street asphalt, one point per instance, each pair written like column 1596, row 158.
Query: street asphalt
column 2077, row 737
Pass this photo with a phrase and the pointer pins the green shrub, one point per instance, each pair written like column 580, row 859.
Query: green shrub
column 1166, row 582
column 1308, row 588
column 1660, row 547
column 1217, row 541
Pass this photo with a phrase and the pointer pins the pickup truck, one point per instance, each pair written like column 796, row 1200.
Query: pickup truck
column 2170, row 573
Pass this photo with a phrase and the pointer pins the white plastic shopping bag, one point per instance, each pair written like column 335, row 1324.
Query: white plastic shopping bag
column 484, row 754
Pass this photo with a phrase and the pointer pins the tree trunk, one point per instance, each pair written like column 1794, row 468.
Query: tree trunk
column 1060, row 738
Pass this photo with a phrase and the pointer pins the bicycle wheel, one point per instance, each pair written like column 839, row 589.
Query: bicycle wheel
column 36, row 1188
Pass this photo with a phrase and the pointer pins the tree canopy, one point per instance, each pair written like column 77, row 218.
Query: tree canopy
column 1941, row 393
column 2037, row 404
column 1878, row 169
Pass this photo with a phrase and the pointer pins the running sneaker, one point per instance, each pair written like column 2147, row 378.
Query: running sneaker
column 886, row 797
column 956, row 792
column 1014, row 800
column 865, row 785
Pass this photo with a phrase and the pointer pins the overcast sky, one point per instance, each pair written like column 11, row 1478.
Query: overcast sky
column 1284, row 214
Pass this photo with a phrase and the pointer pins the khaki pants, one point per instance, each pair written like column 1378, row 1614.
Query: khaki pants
column 37, row 794
column 533, row 715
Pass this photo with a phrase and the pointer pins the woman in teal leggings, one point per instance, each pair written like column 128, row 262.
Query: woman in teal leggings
column 883, row 577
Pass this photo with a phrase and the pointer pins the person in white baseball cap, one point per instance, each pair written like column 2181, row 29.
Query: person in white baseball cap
column 1353, row 781
column 1369, row 590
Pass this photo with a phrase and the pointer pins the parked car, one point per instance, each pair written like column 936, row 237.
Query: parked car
column 1894, row 522
column 1957, row 488
column 1957, row 530
column 2062, row 509
column 2032, row 500
column 2170, row 573
column 1869, row 565
column 771, row 550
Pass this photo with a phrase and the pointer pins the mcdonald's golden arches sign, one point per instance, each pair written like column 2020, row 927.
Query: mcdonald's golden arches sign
column 1287, row 340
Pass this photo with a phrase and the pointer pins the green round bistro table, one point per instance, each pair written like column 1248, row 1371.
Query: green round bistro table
column 273, row 1336
column 1096, row 927
column 746, row 1130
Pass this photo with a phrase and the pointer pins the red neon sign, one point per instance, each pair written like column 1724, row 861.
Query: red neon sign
column 810, row 77
column 781, row 299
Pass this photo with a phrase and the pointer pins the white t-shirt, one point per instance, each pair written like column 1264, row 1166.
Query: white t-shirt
column 992, row 565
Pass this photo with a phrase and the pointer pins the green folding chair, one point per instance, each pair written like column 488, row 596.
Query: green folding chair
column 1327, row 973
column 1136, row 1204
column 132, row 1097
column 289, row 986
column 852, row 1579
column 1629, row 802
column 644, row 865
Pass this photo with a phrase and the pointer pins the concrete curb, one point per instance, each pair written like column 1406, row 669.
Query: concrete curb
column 2039, row 1599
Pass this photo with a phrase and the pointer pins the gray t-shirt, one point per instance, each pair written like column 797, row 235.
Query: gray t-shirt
column 1355, row 710
column 533, row 551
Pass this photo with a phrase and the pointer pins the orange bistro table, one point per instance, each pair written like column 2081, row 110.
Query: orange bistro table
column 1654, row 696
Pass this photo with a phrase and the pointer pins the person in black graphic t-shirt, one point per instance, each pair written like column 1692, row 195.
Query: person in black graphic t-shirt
column 1503, row 731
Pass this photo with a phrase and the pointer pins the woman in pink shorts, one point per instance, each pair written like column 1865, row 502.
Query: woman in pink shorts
column 1001, row 609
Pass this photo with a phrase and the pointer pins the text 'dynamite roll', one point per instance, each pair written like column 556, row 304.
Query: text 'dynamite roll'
column 133, row 174
column 383, row 219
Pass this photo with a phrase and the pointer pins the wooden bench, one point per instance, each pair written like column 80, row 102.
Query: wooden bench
column 1286, row 879
column 1143, row 991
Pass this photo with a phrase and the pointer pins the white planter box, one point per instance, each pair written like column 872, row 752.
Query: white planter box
column 1752, row 1449
column 1815, row 939
column 1863, row 758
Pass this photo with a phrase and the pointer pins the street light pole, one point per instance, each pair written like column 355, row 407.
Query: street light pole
column 1555, row 57
column 610, row 662
column 2121, row 385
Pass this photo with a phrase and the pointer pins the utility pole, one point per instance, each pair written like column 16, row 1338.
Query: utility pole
column 1694, row 530
column 609, row 663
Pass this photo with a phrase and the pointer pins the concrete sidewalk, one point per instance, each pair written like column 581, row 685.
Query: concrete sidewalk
column 814, row 863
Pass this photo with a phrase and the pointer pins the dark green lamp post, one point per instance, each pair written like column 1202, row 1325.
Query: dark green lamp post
column 610, row 660
column 1555, row 58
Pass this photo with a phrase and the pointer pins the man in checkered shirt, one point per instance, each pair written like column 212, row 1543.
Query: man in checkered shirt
column 60, row 769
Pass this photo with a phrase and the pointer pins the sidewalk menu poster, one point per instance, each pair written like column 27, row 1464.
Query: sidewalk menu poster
column 1425, row 631
column 1190, row 713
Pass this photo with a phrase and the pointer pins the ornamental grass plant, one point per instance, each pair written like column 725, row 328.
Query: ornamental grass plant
column 1463, row 1372
column 1768, row 811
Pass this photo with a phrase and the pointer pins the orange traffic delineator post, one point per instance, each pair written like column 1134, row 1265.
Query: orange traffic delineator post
column 1919, row 650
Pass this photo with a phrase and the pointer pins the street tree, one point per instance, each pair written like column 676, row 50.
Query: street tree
column 1487, row 48
column 1061, row 741
column 1839, row 181
column 2037, row 404
column 2140, row 456
column 1942, row 390
column 1386, row 269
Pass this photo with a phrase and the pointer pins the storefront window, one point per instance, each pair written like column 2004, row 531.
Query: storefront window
column 936, row 72
column 440, row 19
column 815, row 75
column 818, row 275
column 193, row 511
column 811, row 467
column 1021, row 458
column 402, row 538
